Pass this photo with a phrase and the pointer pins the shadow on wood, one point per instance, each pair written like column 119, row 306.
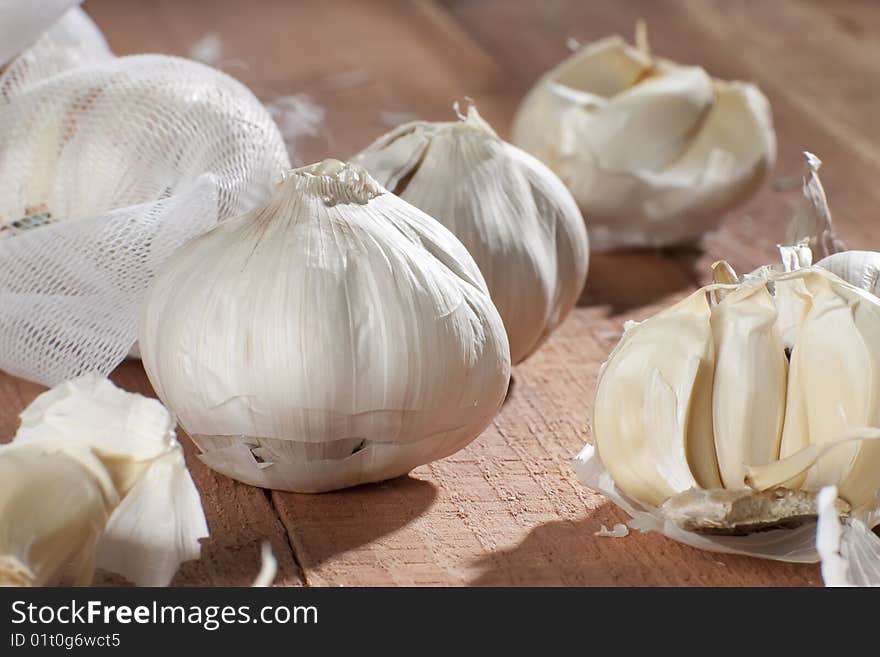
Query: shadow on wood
column 627, row 280
column 568, row 553
column 323, row 526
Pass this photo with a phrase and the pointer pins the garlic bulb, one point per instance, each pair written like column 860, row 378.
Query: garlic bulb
column 95, row 477
column 331, row 337
column 654, row 152
column 706, row 417
column 518, row 221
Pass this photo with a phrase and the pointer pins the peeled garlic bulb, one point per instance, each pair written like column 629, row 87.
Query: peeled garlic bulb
column 761, row 411
column 518, row 221
column 334, row 336
column 95, row 477
column 654, row 152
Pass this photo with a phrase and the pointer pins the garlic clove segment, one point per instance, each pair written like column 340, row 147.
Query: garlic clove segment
column 652, row 416
column 94, row 477
column 654, row 152
column 334, row 336
column 515, row 217
column 748, row 390
column 836, row 370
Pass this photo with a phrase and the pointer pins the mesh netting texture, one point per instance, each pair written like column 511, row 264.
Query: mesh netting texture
column 109, row 165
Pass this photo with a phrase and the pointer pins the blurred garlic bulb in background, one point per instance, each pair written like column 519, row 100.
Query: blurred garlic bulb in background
column 518, row 221
column 654, row 152
column 334, row 336
column 95, row 477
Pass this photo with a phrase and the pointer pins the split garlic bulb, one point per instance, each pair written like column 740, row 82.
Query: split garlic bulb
column 516, row 218
column 654, row 152
column 707, row 406
column 95, row 477
column 334, row 336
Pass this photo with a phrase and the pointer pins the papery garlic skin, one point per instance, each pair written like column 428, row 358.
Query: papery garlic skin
column 95, row 477
column 654, row 152
column 830, row 406
column 515, row 217
column 334, row 336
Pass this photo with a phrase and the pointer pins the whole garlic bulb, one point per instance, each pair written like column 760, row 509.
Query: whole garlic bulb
column 518, row 221
column 654, row 152
column 705, row 396
column 334, row 336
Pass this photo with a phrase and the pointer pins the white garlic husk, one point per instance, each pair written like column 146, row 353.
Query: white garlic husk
column 95, row 477
column 850, row 552
column 334, row 336
column 812, row 228
column 654, row 152
column 706, row 421
column 515, row 217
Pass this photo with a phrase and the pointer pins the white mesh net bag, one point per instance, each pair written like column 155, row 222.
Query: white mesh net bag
column 107, row 165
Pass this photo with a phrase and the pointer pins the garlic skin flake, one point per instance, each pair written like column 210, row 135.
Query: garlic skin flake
column 774, row 425
column 332, row 337
column 515, row 217
column 812, row 229
column 95, row 477
column 654, row 152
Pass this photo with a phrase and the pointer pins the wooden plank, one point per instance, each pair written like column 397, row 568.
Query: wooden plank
column 507, row 509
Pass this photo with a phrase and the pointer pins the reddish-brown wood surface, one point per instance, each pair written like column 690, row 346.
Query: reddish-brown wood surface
column 508, row 509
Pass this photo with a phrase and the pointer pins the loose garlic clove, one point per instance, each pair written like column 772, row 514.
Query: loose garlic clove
column 334, row 336
column 652, row 416
column 95, row 477
column 53, row 508
column 653, row 152
column 515, row 217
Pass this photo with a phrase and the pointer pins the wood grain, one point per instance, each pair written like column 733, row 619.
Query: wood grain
column 507, row 510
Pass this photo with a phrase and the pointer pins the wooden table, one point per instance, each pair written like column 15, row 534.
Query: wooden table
column 508, row 509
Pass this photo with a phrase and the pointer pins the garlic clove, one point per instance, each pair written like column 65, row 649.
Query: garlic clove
column 749, row 387
column 837, row 374
column 648, row 126
column 515, row 217
column 53, row 509
column 652, row 416
column 97, row 478
column 334, row 336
